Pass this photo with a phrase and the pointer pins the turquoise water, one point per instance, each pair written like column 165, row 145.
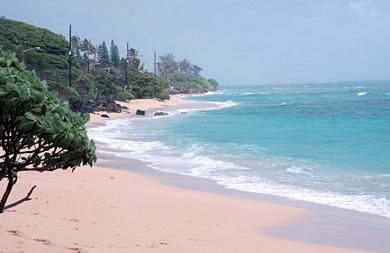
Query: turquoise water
column 327, row 143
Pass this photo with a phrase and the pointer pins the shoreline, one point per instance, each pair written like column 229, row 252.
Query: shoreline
column 351, row 222
column 321, row 224
column 150, row 106
column 189, row 218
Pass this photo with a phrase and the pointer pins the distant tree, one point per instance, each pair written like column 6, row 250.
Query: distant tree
column 184, row 76
column 37, row 131
column 86, row 46
column 167, row 66
column 79, row 58
column 75, row 42
column 214, row 84
column 195, row 71
column 76, row 45
column 84, row 59
column 114, row 54
column 103, row 56
column 185, row 66
column 134, row 60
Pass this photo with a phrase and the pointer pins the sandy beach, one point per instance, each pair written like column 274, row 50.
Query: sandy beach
column 148, row 105
column 101, row 209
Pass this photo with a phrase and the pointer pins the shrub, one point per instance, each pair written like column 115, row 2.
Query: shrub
column 163, row 96
column 37, row 131
column 125, row 95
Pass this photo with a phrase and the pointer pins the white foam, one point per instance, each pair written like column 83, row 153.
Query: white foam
column 363, row 203
column 362, row 93
column 209, row 93
column 225, row 104
column 190, row 161
column 161, row 157
column 241, row 93
column 299, row 170
column 217, row 106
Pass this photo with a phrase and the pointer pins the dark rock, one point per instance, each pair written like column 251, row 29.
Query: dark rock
column 108, row 106
column 92, row 106
column 140, row 112
column 104, row 116
column 83, row 107
column 161, row 114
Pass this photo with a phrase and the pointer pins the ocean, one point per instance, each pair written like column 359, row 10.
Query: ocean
column 327, row 143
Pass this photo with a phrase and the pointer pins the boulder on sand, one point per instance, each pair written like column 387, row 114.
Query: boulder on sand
column 161, row 114
column 140, row 112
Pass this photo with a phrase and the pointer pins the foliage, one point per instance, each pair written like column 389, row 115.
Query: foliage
column 134, row 61
column 37, row 131
column 125, row 95
column 214, row 84
column 106, row 86
column 88, row 49
column 114, row 54
column 163, row 96
column 97, row 74
column 102, row 55
column 184, row 76
column 145, row 85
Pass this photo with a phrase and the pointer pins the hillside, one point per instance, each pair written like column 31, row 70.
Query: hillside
column 50, row 61
column 98, row 72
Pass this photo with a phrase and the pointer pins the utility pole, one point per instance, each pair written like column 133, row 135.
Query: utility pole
column 88, row 57
column 126, row 63
column 155, row 63
column 70, row 56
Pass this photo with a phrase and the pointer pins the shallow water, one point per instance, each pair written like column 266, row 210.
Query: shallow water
column 326, row 143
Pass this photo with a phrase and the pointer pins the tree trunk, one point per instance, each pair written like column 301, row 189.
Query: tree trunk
column 7, row 190
column 97, row 96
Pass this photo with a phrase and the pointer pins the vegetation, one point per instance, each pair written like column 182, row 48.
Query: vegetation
column 38, row 132
column 98, row 73
column 184, row 76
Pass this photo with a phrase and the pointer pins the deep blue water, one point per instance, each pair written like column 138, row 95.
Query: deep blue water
column 327, row 143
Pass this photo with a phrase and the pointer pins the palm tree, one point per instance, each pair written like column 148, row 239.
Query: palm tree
column 75, row 42
column 86, row 46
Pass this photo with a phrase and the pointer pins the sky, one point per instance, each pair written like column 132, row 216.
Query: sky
column 234, row 41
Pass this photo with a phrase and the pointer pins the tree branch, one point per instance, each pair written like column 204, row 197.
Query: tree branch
column 26, row 198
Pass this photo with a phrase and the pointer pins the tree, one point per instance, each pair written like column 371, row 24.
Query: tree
column 76, row 45
column 184, row 77
column 37, row 131
column 166, row 66
column 86, row 46
column 75, row 42
column 102, row 55
column 195, row 71
column 78, row 58
column 214, row 84
column 114, row 54
column 134, row 60
column 185, row 66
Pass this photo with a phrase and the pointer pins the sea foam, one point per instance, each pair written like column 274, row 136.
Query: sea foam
column 191, row 162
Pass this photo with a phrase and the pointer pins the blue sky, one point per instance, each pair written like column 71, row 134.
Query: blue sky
column 235, row 41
